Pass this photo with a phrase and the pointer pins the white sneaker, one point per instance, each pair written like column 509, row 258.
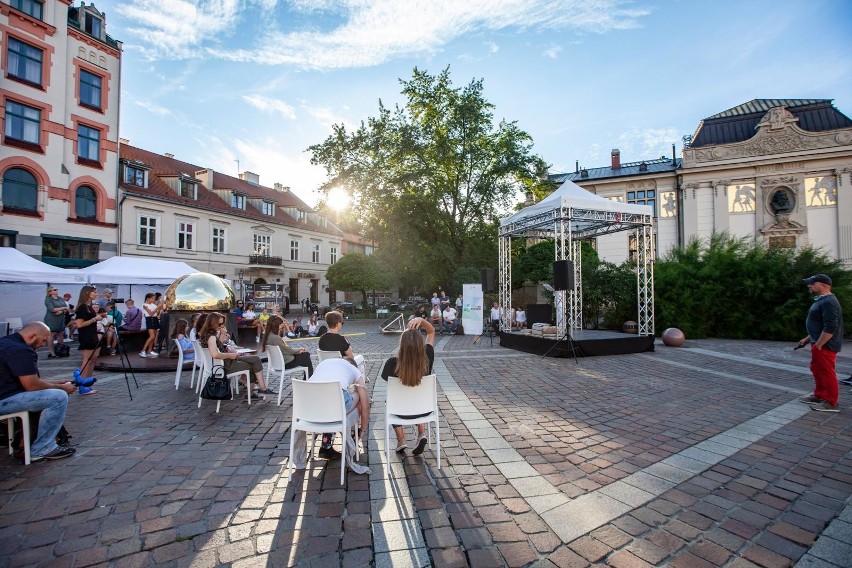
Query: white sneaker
column 153, row 354
column 143, row 354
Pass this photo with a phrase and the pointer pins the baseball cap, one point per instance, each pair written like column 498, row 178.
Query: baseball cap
column 817, row 278
column 107, row 290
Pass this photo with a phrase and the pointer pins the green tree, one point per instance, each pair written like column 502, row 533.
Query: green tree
column 429, row 178
column 358, row 273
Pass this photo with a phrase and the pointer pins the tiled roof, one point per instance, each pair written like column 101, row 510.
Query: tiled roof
column 210, row 201
column 738, row 123
column 657, row 166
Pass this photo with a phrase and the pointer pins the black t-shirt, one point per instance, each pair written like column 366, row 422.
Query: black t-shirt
column 17, row 359
column 390, row 366
column 334, row 342
column 87, row 335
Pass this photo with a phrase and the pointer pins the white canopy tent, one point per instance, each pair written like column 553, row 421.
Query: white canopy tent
column 16, row 266
column 135, row 270
column 568, row 216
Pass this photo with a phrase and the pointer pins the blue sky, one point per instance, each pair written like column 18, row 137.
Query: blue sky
column 214, row 81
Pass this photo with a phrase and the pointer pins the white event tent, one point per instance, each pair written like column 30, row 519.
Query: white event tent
column 134, row 270
column 568, row 216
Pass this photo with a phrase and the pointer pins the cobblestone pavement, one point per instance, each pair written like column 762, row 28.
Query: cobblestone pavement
column 692, row 457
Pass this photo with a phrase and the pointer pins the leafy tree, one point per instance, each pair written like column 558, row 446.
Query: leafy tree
column 464, row 275
column 358, row 273
column 429, row 178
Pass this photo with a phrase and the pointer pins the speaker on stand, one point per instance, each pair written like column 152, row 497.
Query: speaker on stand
column 563, row 280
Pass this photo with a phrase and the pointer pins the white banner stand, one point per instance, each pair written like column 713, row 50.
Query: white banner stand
column 471, row 316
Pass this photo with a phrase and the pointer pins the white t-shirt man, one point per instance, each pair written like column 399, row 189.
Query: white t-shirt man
column 495, row 313
column 336, row 370
column 449, row 314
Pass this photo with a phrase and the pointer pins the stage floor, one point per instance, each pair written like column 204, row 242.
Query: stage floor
column 588, row 343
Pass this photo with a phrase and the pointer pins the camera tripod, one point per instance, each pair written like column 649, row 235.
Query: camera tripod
column 121, row 351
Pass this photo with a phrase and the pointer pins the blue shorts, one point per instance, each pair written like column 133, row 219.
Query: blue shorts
column 349, row 400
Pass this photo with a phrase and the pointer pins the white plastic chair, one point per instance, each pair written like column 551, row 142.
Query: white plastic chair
column 277, row 365
column 235, row 378
column 179, row 370
column 198, row 364
column 323, row 355
column 403, row 400
column 319, row 408
column 10, row 425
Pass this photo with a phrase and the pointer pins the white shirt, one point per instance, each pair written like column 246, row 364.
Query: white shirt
column 495, row 314
column 521, row 316
column 249, row 315
column 450, row 314
column 336, row 370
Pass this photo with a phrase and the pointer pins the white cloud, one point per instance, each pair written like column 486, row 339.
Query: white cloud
column 552, row 51
column 370, row 33
column 152, row 108
column 267, row 104
column 492, row 47
column 646, row 144
column 327, row 117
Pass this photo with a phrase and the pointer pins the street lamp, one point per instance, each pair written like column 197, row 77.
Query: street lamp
column 241, row 285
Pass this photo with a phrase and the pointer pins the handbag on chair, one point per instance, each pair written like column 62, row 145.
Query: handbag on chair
column 217, row 386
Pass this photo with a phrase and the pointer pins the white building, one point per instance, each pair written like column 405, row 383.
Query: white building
column 59, row 152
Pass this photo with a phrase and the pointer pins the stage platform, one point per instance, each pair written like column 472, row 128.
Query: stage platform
column 589, row 343
column 147, row 365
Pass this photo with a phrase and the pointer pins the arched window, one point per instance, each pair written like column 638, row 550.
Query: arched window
column 86, row 203
column 20, row 190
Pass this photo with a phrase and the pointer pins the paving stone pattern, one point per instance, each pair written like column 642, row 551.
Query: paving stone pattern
column 689, row 457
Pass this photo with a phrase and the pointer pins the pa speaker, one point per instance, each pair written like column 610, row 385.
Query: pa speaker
column 487, row 276
column 563, row 275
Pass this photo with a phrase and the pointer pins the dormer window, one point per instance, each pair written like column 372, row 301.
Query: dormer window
column 268, row 208
column 134, row 175
column 303, row 216
column 238, row 201
column 34, row 8
column 188, row 189
column 93, row 25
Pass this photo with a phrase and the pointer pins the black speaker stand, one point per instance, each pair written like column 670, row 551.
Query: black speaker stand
column 573, row 346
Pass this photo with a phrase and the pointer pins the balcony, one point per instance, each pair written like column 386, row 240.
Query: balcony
column 265, row 260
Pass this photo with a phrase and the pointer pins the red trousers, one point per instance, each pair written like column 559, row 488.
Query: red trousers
column 825, row 377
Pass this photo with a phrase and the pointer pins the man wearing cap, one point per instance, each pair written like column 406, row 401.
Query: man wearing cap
column 825, row 336
column 105, row 299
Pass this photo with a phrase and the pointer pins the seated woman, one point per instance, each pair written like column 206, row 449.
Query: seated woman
column 413, row 361
column 233, row 362
column 179, row 333
column 292, row 357
column 520, row 319
column 314, row 327
column 250, row 319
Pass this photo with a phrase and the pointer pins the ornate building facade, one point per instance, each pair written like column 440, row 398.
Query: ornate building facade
column 59, row 152
column 776, row 170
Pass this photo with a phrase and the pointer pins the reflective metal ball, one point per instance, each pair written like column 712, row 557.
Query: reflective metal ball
column 200, row 292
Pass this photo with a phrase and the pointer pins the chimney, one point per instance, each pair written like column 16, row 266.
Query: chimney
column 167, row 155
column 250, row 177
column 206, row 177
column 281, row 188
column 576, row 166
column 674, row 159
column 616, row 159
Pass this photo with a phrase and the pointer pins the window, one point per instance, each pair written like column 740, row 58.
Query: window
column 185, row 230
column 24, row 61
column 23, row 123
column 134, row 176
column 90, row 89
column 315, row 254
column 238, row 201
column 262, row 245
column 148, row 231
column 645, row 197
column 268, row 208
column 34, row 8
column 333, row 253
column 93, row 26
column 88, row 143
column 61, row 251
column 294, row 250
column 86, row 203
column 219, row 235
column 187, row 189
column 20, row 190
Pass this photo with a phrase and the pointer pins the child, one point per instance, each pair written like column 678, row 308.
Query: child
column 179, row 333
column 106, row 328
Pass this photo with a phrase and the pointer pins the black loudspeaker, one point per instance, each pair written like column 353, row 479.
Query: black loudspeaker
column 487, row 277
column 539, row 313
column 563, row 275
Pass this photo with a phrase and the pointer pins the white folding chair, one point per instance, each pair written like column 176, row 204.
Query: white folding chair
column 408, row 401
column 323, row 355
column 10, row 426
column 179, row 370
column 198, row 364
column 277, row 365
column 235, row 378
column 319, row 408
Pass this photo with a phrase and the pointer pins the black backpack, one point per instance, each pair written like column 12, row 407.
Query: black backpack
column 62, row 350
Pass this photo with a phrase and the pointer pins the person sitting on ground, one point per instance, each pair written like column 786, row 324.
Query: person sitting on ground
column 351, row 381
column 314, row 327
column 450, row 321
column 179, row 333
column 106, row 331
column 250, row 320
column 413, row 361
column 54, row 318
column 292, row 357
column 132, row 320
column 21, row 389
column 232, row 362
column 292, row 331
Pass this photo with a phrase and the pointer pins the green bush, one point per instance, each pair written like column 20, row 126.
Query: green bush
column 741, row 289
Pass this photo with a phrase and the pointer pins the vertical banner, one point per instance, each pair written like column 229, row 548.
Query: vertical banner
column 471, row 316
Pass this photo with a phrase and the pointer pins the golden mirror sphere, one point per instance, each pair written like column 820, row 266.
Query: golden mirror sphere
column 200, row 292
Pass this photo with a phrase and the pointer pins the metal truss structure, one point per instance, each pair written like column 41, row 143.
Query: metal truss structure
column 568, row 227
